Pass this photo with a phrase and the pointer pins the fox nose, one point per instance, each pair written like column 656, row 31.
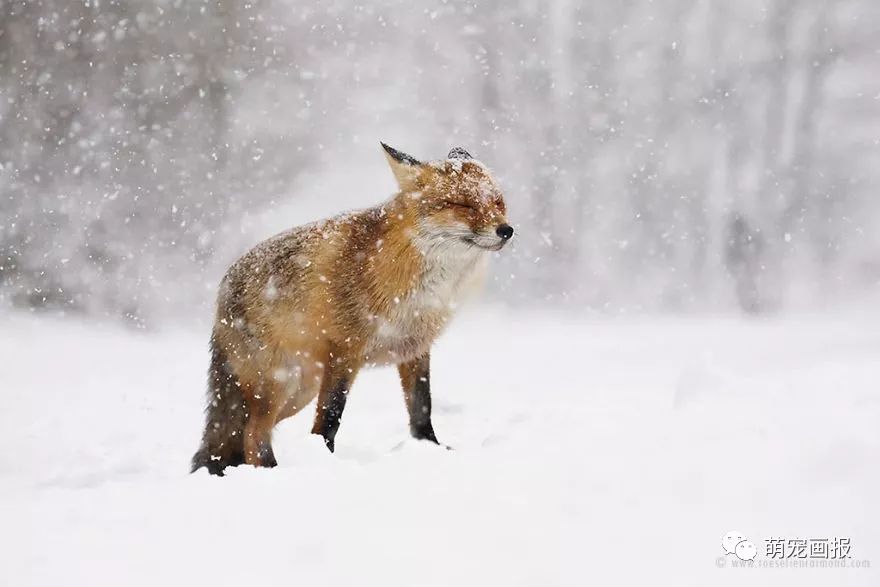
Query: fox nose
column 505, row 231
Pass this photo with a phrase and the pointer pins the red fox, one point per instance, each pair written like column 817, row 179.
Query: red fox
column 302, row 312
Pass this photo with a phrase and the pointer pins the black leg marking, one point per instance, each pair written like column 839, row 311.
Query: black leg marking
column 266, row 455
column 420, row 425
column 416, row 379
column 332, row 415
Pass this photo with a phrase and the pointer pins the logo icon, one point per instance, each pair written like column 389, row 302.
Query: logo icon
column 736, row 543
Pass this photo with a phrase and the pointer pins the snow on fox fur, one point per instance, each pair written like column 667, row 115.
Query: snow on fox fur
column 302, row 312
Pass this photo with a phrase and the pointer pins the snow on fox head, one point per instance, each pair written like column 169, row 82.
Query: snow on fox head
column 456, row 200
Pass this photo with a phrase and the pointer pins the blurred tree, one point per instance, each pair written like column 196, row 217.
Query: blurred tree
column 641, row 143
column 117, row 143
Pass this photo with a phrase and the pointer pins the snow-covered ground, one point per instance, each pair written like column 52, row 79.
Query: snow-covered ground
column 591, row 451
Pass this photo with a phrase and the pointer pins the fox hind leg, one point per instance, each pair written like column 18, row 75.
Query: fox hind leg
column 264, row 402
column 303, row 388
column 258, row 442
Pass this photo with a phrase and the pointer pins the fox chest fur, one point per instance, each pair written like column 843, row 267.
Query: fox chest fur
column 407, row 325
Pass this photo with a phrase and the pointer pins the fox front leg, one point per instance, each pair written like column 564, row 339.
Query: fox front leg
column 338, row 377
column 415, row 376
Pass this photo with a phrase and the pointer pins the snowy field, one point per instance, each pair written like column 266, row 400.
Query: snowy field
column 599, row 451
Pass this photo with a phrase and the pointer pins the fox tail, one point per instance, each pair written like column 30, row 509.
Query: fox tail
column 225, row 415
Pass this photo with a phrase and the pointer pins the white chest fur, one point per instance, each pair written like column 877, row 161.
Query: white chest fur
column 451, row 270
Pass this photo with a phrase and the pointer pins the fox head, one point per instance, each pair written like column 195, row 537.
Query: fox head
column 456, row 200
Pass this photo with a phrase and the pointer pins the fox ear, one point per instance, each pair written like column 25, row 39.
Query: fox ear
column 406, row 168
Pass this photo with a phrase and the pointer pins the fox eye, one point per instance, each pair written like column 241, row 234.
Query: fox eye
column 459, row 204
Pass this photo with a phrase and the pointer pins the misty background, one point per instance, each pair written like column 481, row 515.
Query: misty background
column 676, row 155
